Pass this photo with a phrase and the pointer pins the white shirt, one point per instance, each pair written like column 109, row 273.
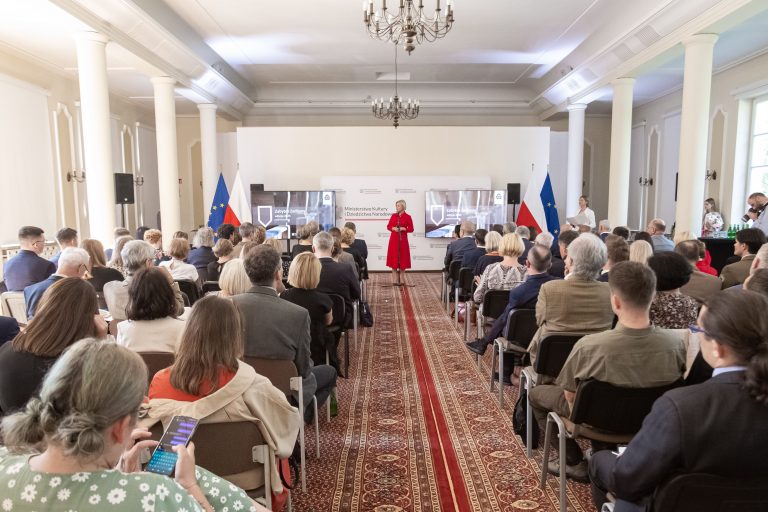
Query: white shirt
column 160, row 335
column 590, row 215
column 181, row 271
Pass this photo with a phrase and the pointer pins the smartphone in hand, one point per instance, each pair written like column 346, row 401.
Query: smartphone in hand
column 179, row 432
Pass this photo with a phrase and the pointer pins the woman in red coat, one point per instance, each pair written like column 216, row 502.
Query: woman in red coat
column 398, row 253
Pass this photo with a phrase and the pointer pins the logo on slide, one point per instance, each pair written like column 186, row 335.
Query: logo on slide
column 260, row 216
column 326, row 198
column 498, row 197
column 437, row 209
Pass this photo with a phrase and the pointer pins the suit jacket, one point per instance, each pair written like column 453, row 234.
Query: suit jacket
column 571, row 305
column 714, row 427
column 34, row 292
column 558, row 267
column 277, row 329
column 701, row 286
column 116, row 297
column 339, row 278
column 470, row 257
column 523, row 257
column 361, row 247
column 736, row 273
column 457, row 248
column 24, row 269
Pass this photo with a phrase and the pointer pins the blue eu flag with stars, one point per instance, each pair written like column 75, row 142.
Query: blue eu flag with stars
column 219, row 205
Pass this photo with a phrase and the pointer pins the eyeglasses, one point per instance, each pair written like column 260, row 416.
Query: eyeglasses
column 695, row 329
column 38, row 242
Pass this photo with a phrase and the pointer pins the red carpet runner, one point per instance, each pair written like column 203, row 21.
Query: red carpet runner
column 418, row 429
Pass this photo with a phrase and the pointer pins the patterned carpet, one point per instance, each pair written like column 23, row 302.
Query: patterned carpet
column 418, row 428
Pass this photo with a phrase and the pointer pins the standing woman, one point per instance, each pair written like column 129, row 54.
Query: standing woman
column 713, row 220
column 399, row 253
column 585, row 210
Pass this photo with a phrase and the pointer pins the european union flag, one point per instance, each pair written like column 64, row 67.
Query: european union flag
column 219, row 206
column 550, row 209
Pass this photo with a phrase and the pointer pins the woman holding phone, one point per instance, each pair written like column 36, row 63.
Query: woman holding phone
column 399, row 252
column 86, row 429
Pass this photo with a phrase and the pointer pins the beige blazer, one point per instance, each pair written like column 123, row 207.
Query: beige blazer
column 571, row 305
column 160, row 335
column 247, row 397
column 701, row 286
column 737, row 273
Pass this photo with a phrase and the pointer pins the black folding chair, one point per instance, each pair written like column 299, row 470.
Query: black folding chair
column 211, row 286
column 696, row 492
column 190, row 289
column 340, row 326
column 453, row 276
column 493, row 306
column 463, row 293
column 518, row 333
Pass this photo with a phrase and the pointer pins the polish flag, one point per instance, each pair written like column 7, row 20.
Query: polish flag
column 239, row 207
column 538, row 208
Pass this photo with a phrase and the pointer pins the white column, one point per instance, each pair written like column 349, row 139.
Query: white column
column 621, row 138
column 208, row 153
column 575, row 176
column 737, row 185
column 694, row 131
column 167, row 159
column 97, row 150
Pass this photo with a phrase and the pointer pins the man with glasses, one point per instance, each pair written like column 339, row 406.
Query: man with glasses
column 73, row 262
column 27, row 267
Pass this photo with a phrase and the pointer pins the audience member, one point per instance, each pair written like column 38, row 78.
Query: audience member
column 456, row 231
column 339, row 256
column 305, row 234
column 97, row 265
column 622, row 231
column 603, row 229
column 748, row 242
column 233, row 279
column 670, row 308
column 465, row 242
column 358, row 244
column 505, row 274
column 227, row 232
column 469, row 260
column 27, row 267
column 9, row 328
column 116, row 260
column 532, row 233
column 583, row 228
column 116, row 235
column 705, row 260
column 557, row 266
column 642, row 235
column 563, row 241
column 247, row 247
column 208, row 375
column 73, row 262
column 491, row 256
column 78, row 444
column 700, row 286
column 347, row 240
column 525, row 233
column 152, row 324
column 224, row 253
column 579, row 303
column 248, row 233
column 640, row 251
column 277, row 245
column 70, row 302
column 617, row 250
column 136, row 255
column 499, row 228
column 660, row 243
column 180, row 271
column 140, row 232
column 335, row 277
column 181, row 234
column 202, row 254
column 277, row 329
column 758, row 281
column 304, row 276
column 635, row 354
column 708, row 428
column 65, row 237
column 509, row 227
column 154, row 237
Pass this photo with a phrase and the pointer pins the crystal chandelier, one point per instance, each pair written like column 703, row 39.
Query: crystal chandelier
column 395, row 109
column 410, row 25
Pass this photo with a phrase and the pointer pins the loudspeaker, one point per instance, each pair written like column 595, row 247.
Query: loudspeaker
column 513, row 193
column 124, row 188
column 257, row 187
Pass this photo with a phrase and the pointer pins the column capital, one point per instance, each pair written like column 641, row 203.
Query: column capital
column 623, row 81
column 697, row 39
column 206, row 106
column 576, row 107
column 91, row 36
column 163, row 80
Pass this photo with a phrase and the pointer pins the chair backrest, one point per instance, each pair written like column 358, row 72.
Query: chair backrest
column 191, row 289
column 466, row 279
column 13, row 305
column 339, row 310
column 697, row 492
column 211, row 286
column 494, row 303
column 278, row 371
column 521, row 326
column 453, row 270
column 554, row 349
column 226, row 448
column 202, row 275
column 156, row 361
column 619, row 410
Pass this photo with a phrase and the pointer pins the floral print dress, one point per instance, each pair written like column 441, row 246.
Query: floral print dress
column 22, row 489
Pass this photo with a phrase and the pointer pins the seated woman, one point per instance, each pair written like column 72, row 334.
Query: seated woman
column 304, row 276
column 151, row 325
column 640, row 251
column 180, row 270
column 492, row 241
column 154, row 237
column 234, row 280
column 340, row 256
column 100, row 272
column 208, row 372
column 305, row 234
column 716, row 427
column 671, row 309
column 201, row 255
column 278, row 246
column 505, row 274
column 116, row 261
column 76, row 445
column 347, row 240
column 223, row 250
column 67, row 312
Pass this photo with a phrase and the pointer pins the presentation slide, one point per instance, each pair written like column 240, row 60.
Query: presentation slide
column 281, row 213
column 445, row 209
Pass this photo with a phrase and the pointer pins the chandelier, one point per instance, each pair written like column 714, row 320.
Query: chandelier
column 395, row 109
column 410, row 25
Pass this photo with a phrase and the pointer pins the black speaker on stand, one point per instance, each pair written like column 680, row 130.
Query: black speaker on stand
column 124, row 193
column 513, row 197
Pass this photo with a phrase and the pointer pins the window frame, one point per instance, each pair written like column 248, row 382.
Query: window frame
column 752, row 136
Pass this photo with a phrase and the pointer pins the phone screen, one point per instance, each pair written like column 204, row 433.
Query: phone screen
column 180, row 431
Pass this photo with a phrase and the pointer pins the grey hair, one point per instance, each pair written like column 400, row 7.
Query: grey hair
column 247, row 230
column 545, row 238
column 323, row 241
column 203, row 238
column 762, row 255
column 492, row 241
column 509, row 227
column 91, row 386
column 468, row 227
column 588, row 254
column 605, row 224
column 136, row 253
column 73, row 257
column 524, row 232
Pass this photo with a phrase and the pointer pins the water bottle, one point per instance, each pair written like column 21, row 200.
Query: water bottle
column 334, row 405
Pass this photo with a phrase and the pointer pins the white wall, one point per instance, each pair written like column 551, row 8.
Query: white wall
column 558, row 169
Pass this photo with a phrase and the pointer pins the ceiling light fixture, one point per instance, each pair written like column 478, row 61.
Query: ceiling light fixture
column 395, row 109
column 410, row 26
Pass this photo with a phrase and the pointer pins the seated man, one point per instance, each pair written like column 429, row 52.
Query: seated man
column 278, row 329
column 578, row 303
column 622, row 231
column 338, row 278
column 701, row 286
column 635, row 354
column 525, row 234
column 558, row 257
column 27, row 267
column 472, row 255
column 656, row 229
column 136, row 254
column 65, row 237
column 465, row 242
column 603, row 229
column 747, row 243
column 73, row 262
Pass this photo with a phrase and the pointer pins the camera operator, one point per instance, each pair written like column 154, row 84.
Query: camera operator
column 757, row 211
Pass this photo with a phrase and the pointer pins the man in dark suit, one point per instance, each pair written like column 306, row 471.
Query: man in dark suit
column 278, row 329
column 65, row 237
column 27, row 267
column 525, row 234
column 335, row 277
column 472, row 255
column 9, row 328
column 465, row 242
column 73, row 262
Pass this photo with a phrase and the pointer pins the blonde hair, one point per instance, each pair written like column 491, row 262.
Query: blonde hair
column 153, row 236
column 179, row 248
column 640, row 251
column 402, row 202
column 96, row 253
column 347, row 236
column 492, row 241
column 681, row 236
column 274, row 243
column 304, row 272
column 511, row 245
column 117, row 258
column 223, row 247
column 233, row 279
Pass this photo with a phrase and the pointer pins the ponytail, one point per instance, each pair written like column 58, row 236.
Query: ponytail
column 756, row 381
column 24, row 429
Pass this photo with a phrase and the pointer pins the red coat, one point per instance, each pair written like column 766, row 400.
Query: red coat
column 405, row 251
